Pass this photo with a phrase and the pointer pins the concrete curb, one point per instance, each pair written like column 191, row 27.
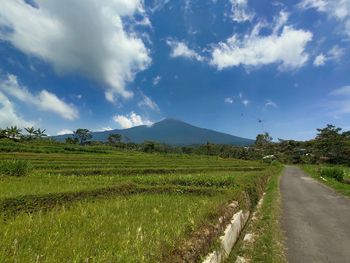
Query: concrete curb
column 230, row 237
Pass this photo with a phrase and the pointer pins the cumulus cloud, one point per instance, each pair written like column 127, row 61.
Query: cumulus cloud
column 337, row 9
column 131, row 120
column 44, row 101
column 334, row 54
column 87, row 36
column 320, row 60
column 147, row 102
column 240, row 11
column 65, row 131
column 284, row 46
column 245, row 102
column 180, row 49
column 9, row 116
column 229, row 100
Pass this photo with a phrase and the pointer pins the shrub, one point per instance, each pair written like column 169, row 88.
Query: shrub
column 15, row 168
column 336, row 173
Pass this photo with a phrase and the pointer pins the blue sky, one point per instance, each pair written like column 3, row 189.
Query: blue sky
column 218, row 64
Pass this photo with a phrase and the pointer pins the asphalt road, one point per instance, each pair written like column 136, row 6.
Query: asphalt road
column 315, row 219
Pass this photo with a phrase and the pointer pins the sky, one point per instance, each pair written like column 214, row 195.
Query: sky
column 238, row 66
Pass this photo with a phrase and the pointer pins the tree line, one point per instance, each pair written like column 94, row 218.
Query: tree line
column 15, row 133
column 331, row 145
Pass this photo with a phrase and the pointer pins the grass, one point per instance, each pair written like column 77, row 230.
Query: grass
column 134, row 229
column 12, row 187
column 268, row 238
column 343, row 188
column 17, row 168
column 112, row 206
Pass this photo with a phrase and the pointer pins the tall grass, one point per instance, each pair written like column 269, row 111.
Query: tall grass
column 135, row 229
column 340, row 186
column 16, row 168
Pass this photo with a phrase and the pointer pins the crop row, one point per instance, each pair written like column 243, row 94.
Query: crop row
column 33, row 203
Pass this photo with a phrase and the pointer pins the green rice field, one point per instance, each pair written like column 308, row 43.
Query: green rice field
column 118, row 206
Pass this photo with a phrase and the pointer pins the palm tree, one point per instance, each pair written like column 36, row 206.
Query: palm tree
column 3, row 133
column 40, row 133
column 31, row 132
column 13, row 132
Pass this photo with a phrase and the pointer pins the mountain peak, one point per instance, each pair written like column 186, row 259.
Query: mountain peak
column 171, row 120
column 172, row 131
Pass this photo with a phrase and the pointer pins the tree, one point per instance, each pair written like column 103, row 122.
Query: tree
column 13, row 132
column 263, row 139
column 71, row 140
column 39, row 133
column 114, row 139
column 82, row 135
column 31, row 132
column 148, row 146
column 329, row 143
column 209, row 147
column 3, row 134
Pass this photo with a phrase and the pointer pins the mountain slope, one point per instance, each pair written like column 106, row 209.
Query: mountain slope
column 173, row 132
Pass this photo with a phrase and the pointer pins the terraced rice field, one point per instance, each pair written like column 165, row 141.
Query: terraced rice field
column 119, row 206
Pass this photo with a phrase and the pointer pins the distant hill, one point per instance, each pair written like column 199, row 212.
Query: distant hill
column 170, row 131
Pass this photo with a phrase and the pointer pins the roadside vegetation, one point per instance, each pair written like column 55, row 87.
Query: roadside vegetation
column 267, row 241
column 337, row 177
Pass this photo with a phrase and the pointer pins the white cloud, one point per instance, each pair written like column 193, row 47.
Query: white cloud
column 229, row 100
column 320, row 60
column 79, row 36
column 284, row 46
column 180, row 49
column 240, row 11
column 8, row 115
column 44, row 101
column 320, row 5
column 65, row 131
column 158, row 5
column 108, row 128
column 148, row 103
column 245, row 102
column 343, row 91
column 156, row 80
column 270, row 103
column 334, row 54
column 338, row 9
column 131, row 120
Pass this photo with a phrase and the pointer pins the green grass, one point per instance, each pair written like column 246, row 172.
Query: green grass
column 128, row 163
column 17, row 168
column 343, row 188
column 134, row 229
column 12, row 187
column 95, row 207
column 268, row 245
column 44, row 184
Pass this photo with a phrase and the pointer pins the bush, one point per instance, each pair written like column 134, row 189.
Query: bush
column 15, row 168
column 336, row 173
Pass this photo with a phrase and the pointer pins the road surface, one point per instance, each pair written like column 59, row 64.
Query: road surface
column 315, row 219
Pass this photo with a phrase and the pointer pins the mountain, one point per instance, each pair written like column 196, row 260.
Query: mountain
column 170, row 131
